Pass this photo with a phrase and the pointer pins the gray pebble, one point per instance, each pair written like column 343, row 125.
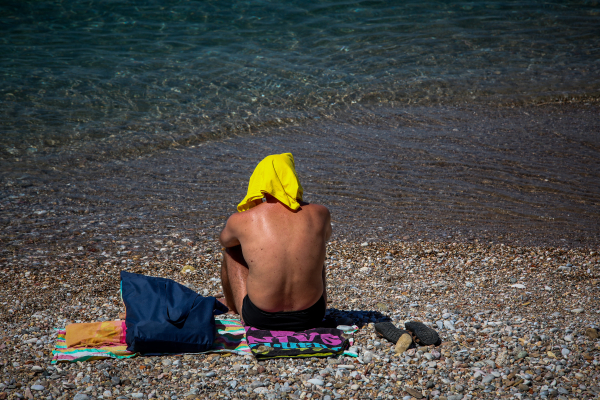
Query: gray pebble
column 81, row 396
column 522, row 354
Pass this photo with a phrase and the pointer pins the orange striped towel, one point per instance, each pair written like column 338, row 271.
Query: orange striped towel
column 96, row 334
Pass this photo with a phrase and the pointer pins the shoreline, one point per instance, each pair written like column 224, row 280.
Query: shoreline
column 526, row 176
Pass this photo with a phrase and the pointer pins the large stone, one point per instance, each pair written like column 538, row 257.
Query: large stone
column 523, row 387
column 522, row 354
column 187, row 269
column 449, row 325
column 413, row 392
column 591, row 333
column 403, row 343
column 502, row 358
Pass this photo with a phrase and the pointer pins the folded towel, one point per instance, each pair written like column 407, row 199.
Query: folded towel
column 317, row 342
column 95, row 334
column 230, row 338
column 62, row 353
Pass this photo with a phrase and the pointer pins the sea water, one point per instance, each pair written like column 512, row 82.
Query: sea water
column 151, row 72
column 405, row 117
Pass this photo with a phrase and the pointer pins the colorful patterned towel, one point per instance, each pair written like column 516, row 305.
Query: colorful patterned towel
column 229, row 339
column 317, row 342
column 62, row 353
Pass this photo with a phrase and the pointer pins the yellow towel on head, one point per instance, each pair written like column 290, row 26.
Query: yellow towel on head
column 275, row 175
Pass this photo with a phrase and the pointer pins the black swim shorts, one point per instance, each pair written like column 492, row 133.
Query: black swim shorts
column 301, row 320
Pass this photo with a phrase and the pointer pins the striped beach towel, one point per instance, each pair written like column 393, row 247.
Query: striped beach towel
column 230, row 338
column 62, row 353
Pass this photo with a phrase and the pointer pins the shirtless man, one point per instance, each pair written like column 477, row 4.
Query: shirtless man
column 273, row 271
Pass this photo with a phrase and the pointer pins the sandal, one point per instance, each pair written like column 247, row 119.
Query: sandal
column 389, row 331
column 424, row 335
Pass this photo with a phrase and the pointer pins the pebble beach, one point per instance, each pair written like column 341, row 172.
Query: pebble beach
column 516, row 322
column 455, row 144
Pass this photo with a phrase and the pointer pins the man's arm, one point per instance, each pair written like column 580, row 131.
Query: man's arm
column 228, row 237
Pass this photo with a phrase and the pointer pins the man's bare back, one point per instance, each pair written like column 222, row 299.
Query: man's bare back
column 284, row 252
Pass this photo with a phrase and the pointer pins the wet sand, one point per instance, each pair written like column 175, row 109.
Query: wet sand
column 515, row 176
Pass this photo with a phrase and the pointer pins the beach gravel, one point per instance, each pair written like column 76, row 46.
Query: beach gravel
column 499, row 340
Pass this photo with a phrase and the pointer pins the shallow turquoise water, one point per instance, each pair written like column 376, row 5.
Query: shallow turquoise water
column 146, row 74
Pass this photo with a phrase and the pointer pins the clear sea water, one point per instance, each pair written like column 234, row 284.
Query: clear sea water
column 145, row 74
column 447, row 119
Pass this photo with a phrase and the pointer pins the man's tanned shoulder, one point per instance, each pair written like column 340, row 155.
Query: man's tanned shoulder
column 229, row 235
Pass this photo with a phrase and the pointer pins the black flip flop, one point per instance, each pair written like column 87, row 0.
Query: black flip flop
column 389, row 331
column 425, row 336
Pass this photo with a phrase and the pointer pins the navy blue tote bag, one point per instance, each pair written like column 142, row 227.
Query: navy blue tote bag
column 164, row 316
